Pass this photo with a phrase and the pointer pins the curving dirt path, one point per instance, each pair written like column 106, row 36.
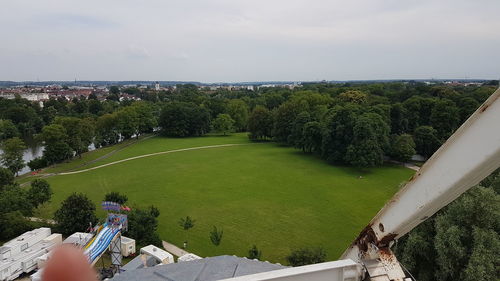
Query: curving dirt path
column 146, row 155
column 109, row 154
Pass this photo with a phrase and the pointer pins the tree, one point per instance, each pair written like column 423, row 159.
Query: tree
column 80, row 106
column 399, row 122
column 416, row 251
column 128, row 122
column 12, row 156
column 254, row 253
column 403, row 148
column 492, row 83
column 180, row 119
column 483, row 262
column 6, row 177
column 223, row 124
column 312, row 137
column 24, row 117
column 284, row 120
column 57, row 152
column 146, row 120
column 56, row 146
column 296, row 138
column 444, row 118
column 114, row 90
column 483, row 93
column 216, row 236
column 76, row 213
column 8, row 130
column 80, row 132
column 216, row 106
column 107, row 132
column 412, row 107
column 467, row 106
column 305, row 256
column 273, row 100
column 142, row 226
column 87, row 134
column 370, row 138
column 353, row 96
column 238, row 110
column 338, row 132
column 132, row 91
column 460, row 233
column 116, row 197
column 364, row 153
column 426, row 140
column 418, row 111
column 13, row 224
column 37, row 163
column 40, row 192
column 95, row 106
column 460, row 242
column 186, row 223
column 260, row 123
column 14, row 198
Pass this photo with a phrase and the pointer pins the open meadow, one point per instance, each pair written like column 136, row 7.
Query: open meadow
column 265, row 194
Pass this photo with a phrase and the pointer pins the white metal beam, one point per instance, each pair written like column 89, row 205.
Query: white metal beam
column 467, row 157
column 342, row 270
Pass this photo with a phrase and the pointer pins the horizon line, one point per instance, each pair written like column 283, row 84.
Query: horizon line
column 249, row 82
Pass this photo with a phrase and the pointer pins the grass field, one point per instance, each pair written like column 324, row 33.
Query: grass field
column 261, row 193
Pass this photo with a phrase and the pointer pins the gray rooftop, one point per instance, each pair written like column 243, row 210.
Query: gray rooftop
column 137, row 263
column 207, row 269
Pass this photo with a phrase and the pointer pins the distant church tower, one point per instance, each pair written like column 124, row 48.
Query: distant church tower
column 157, row 86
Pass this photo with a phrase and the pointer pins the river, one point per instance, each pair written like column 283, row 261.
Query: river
column 34, row 150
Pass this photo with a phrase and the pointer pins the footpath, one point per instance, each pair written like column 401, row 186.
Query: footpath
column 174, row 250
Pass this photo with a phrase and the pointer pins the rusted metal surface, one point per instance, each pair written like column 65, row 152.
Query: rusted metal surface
column 391, row 265
column 365, row 238
column 386, row 240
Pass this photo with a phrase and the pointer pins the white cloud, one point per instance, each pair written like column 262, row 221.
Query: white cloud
column 135, row 52
column 245, row 40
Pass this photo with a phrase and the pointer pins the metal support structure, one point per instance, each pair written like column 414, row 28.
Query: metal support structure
column 467, row 157
column 343, row 270
column 115, row 250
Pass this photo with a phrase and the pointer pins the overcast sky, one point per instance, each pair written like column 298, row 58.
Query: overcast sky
column 249, row 40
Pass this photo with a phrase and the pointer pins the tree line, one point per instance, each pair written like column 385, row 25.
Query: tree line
column 361, row 126
column 461, row 241
column 17, row 203
column 353, row 124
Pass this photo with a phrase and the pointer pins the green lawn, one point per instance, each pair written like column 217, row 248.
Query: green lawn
column 265, row 194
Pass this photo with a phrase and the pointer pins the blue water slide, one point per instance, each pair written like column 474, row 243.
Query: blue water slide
column 101, row 242
column 106, row 241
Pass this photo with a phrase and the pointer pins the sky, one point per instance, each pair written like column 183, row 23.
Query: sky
column 249, row 40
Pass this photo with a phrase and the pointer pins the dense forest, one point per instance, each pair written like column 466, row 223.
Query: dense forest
column 358, row 124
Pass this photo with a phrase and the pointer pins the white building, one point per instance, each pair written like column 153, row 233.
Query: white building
column 20, row 254
column 28, row 96
column 78, row 239
column 128, row 246
column 160, row 255
column 188, row 257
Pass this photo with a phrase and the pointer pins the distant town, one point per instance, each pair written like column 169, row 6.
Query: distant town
column 42, row 91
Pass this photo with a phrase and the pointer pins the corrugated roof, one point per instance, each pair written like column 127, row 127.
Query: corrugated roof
column 213, row 268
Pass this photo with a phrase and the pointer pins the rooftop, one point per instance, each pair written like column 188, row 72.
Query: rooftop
column 213, row 268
